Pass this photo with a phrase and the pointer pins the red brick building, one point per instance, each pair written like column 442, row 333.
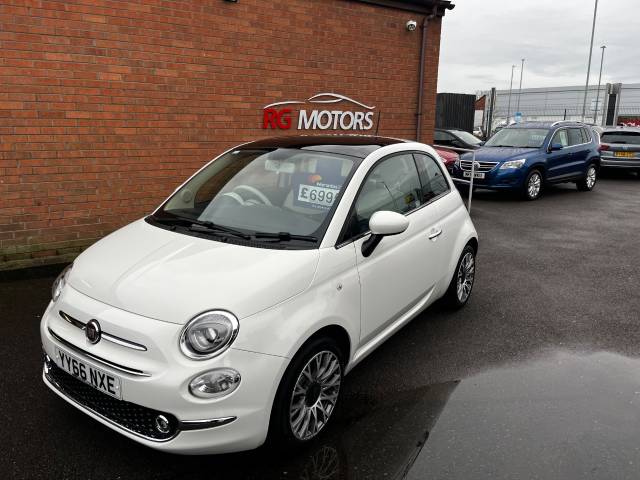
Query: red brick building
column 107, row 105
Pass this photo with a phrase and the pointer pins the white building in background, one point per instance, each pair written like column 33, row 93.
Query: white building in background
column 557, row 103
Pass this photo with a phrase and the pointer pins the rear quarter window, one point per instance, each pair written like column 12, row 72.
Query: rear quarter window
column 575, row 136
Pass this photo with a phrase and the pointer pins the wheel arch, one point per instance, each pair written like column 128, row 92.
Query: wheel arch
column 594, row 159
column 473, row 241
column 541, row 167
column 334, row 332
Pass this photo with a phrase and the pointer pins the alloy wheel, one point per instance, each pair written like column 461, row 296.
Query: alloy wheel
column 591, row 177
column 534, row 184
column 315, row 395
column 466, row 274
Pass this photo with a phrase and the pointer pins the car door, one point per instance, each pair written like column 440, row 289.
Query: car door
column 558, row 160
column 577, row 153
column 580, row 146
column 399, row 275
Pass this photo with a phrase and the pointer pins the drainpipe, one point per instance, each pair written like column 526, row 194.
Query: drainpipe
column 423, row 47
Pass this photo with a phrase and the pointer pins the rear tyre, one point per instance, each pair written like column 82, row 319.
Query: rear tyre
column 461, row 284
column 532, row 186
column 589, row 180
column 308, row 393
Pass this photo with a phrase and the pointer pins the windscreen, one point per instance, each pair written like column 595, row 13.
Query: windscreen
column 281, row 191
column 518, row 138
column 467, row 137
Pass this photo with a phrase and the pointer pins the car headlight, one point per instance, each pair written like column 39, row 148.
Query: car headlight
column 209, row 334
column 59, row 283
column 513, row 164
column 215, row 383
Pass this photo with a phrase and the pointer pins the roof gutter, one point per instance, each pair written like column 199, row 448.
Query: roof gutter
column 423, row 48
column 417, row 6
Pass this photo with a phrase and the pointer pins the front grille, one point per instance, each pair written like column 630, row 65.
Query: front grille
column 484, row 166
column 129, row 416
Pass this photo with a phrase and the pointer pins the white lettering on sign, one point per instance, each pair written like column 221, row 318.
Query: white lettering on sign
column 335, row 120
column 281, row 115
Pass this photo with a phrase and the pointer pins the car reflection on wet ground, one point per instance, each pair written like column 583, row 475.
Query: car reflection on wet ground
column 538, row 377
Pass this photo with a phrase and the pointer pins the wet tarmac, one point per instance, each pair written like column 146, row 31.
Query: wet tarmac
column 538, row 377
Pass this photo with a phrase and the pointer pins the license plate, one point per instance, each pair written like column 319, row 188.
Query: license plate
column 98, row 379
column 624, row 154
column 475, row 174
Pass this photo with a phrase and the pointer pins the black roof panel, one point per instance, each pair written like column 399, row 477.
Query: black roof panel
column 353, row 145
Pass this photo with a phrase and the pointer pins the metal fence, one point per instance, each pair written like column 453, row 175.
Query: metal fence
column 554, row 113
column 604, row 105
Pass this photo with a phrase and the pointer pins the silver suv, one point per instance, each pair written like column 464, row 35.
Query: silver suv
column 620, row 148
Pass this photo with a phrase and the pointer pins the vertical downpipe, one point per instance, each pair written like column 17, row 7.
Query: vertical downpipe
column 423, row 46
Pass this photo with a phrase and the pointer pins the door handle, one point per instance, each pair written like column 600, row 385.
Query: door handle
column 435, row 233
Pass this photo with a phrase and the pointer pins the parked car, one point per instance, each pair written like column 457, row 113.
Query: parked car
column 234, row 310
column 448, row 157
column 620, row 148
column 455, row 138
column 526, row 156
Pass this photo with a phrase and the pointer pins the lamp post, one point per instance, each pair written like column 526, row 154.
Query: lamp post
column 520, row 88
column 510, row 90
column 595, row 114
column 586, row 87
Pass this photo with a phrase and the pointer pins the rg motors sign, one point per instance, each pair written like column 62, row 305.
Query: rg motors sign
column 324, row 111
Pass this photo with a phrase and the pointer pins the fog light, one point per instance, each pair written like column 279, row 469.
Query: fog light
column 215, row 383
column 162, row 424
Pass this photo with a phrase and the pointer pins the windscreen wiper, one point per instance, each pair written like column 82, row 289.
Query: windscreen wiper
column 196, row 225
column 285, row 237
column 204, row 226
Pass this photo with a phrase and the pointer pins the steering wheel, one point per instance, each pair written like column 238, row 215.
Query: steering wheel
column 256, row 193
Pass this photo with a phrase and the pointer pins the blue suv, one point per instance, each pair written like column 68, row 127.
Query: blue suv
column 526, row 156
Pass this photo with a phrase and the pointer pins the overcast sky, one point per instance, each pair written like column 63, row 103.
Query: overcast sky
column 481, row 39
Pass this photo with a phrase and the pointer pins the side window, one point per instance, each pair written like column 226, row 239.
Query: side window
column 575, row 136
column 442, row 138
column 586, row 138
column 561, row 137
column 391, row 185
column 433, row 180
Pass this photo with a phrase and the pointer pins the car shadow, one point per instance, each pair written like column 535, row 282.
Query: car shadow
column 549, row 191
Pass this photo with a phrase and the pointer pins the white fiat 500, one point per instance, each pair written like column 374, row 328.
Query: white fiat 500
column 233, row 312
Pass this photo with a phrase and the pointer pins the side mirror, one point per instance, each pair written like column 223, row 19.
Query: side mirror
column 383, row 224
column 554, row 147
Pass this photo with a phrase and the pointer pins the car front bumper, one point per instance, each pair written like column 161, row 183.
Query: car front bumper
column 495, row 179
column 158, row 383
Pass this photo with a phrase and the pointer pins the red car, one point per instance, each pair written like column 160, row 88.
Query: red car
column 448, row 157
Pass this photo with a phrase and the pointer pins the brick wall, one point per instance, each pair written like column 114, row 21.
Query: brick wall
column 106, row 106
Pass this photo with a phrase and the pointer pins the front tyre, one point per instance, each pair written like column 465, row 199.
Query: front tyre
column 308, row 393
column 461, row 284
column 532, row 186
column 589, row 180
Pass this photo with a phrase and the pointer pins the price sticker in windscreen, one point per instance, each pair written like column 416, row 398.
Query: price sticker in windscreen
column 320, row 197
